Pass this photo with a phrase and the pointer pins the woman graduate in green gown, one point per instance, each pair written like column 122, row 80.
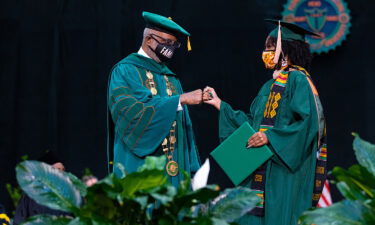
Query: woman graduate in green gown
column 288, row 114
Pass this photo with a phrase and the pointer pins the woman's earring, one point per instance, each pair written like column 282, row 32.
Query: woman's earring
column 284, row 62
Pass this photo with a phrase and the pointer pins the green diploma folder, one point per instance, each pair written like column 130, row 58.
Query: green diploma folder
column 237, row 161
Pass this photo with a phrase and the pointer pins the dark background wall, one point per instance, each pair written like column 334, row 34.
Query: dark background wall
column 55, row 57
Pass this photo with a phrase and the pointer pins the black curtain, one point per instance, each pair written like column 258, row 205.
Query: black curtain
column 55, row 57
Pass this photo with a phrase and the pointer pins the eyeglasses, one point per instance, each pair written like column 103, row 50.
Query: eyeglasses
column 175, row 44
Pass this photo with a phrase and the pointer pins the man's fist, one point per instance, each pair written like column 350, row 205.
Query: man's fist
column 192, row 98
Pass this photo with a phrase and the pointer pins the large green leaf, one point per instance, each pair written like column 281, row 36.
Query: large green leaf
column 142, row 201
column 164, row 195
column 153, row 163
column 48, row 186
column 99, row 204
column 365, row 153
column 142, row 181
column 81, row 187
column 342, row 213
column 362, row 175
column 351, row 183
column 181, row 208
column 111, row 185
column 350, row 191
column 46, row 220
column 200, row 196
column 236, row 203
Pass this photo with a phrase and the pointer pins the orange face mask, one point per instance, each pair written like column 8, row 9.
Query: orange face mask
column 268, row 57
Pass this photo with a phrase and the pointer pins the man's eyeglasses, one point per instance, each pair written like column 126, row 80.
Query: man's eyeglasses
column 175, row 44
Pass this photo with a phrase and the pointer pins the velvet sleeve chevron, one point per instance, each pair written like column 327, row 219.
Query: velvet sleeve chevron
column 126, row 110
column 141, row 121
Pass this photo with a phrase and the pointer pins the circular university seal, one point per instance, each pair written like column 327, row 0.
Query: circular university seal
column 328, row 18
column 172, row 168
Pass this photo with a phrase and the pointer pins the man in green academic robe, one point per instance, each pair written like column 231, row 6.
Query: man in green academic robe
column 148, row 114
column 288, row 114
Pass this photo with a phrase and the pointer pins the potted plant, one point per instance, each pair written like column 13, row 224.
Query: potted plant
column 357, row 185
column 142, row 197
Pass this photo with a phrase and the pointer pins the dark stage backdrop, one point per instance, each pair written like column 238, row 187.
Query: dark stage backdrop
column 55, row 57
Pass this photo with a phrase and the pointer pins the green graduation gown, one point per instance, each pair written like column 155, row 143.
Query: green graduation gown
column 293, row 139
column 141, row 121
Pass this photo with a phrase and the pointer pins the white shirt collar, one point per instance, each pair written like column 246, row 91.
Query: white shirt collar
column 143, row 53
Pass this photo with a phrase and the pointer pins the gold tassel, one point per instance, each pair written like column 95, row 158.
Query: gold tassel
column 278, row 45
column 188, row 44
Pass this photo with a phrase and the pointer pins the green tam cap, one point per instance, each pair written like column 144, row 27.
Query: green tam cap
column 163, row 24
column 290, row 31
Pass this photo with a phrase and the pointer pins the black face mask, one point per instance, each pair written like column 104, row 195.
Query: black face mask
column 164, row 52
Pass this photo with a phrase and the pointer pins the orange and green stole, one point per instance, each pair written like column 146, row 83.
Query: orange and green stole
column 269, row 117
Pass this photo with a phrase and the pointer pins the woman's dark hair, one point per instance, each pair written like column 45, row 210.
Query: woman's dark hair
column 298, row 52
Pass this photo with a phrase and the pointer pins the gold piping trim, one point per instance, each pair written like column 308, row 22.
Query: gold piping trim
column 139, row 74
column 152, row 117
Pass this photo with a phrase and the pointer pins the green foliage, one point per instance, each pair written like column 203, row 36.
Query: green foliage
column 15, row 194
column 357, row 185
column 365, row 153
column 81, row 187
column 346, row 212
column 152, row 163
column 44, row 219
column 234, row 204
column 143, row 197
column 48, row 186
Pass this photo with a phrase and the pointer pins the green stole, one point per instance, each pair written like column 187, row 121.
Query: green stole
column 269, row 118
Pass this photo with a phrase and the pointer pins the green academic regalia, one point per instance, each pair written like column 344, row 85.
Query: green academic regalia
column 142, row 120
column 293, row 140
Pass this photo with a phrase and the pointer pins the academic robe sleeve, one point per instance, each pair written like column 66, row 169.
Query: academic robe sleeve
column 292, row 142
column 230, row 120
column 141, row 120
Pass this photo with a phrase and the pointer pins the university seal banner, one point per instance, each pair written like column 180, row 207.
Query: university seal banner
column 329, row 18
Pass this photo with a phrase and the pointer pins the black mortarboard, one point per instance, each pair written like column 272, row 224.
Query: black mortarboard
column 289, row 31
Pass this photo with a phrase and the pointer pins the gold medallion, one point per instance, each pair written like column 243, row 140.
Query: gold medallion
column 165, row 142
column 149, row 75
column 172, row 168
column 169, row 92
column 153, row 91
